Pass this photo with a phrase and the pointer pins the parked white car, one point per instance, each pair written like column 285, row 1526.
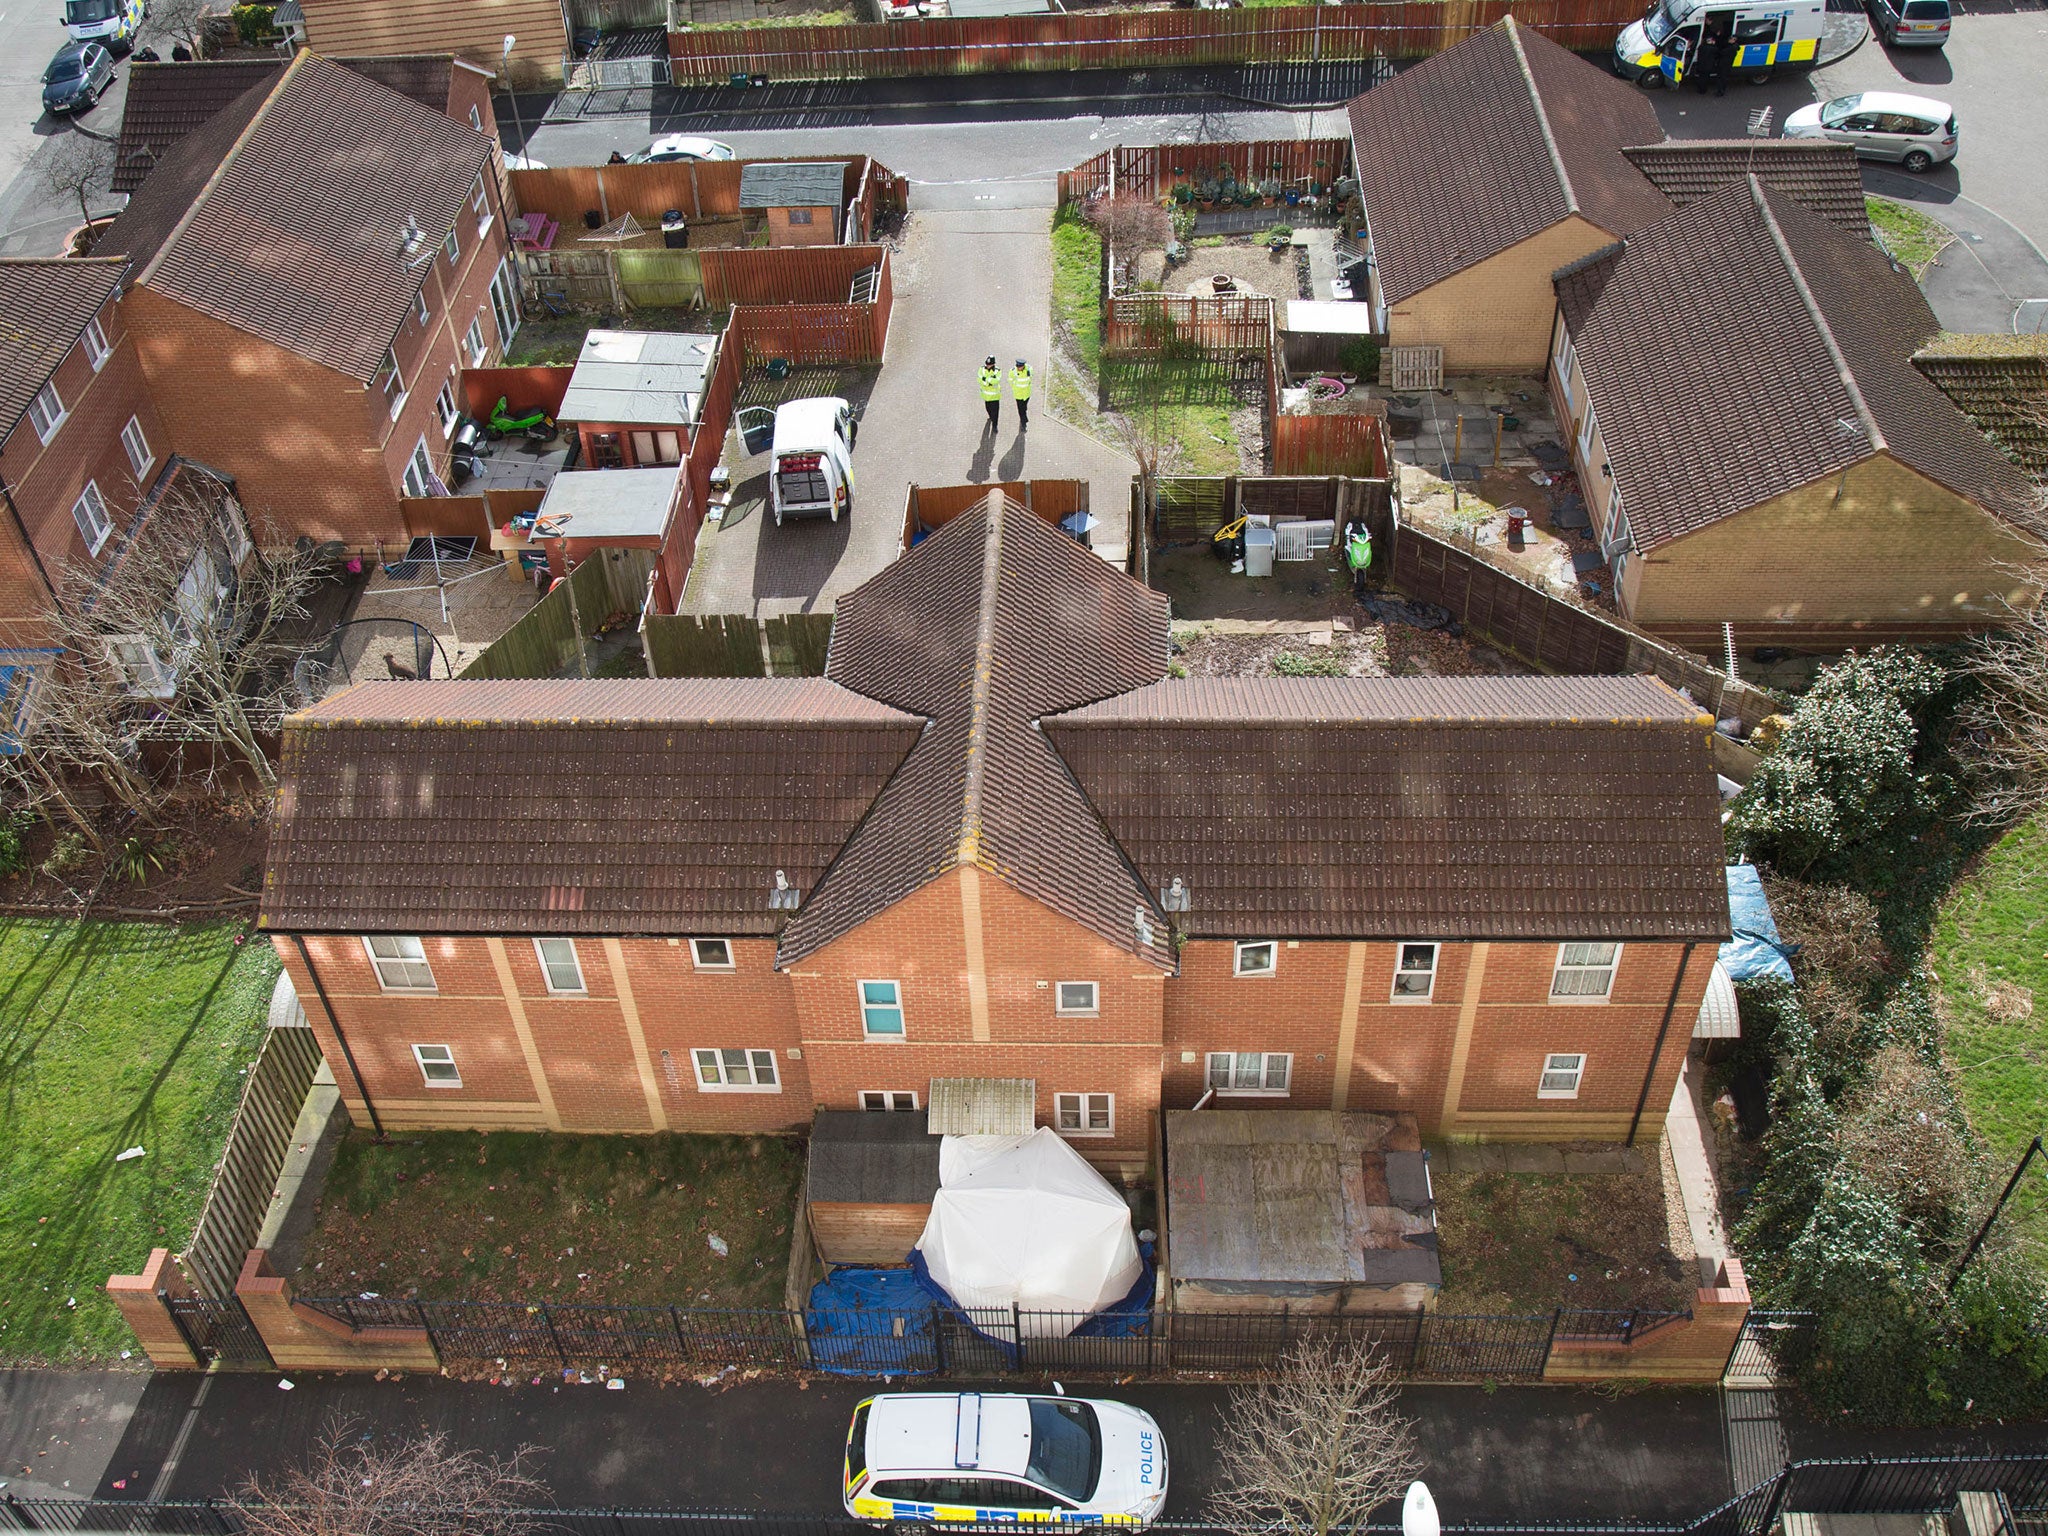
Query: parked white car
column 966, row 1458
column 682, row 146
column 1914, row 131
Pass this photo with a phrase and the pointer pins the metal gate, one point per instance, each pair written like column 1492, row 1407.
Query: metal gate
column 218, row 1331
column 1763, row 1347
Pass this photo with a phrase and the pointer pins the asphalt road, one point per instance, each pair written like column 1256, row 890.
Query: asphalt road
column 30, row 223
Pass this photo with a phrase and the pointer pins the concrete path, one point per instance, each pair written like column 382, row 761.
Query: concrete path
column 969, row 282
column 1695, row 1171
column 1984, row 280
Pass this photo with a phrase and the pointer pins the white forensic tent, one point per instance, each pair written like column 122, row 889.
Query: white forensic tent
column 1024, row 1222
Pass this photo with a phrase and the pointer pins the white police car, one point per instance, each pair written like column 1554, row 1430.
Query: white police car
column 964, row 1458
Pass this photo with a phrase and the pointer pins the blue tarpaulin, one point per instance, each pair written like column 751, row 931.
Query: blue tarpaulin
column 1756, row 953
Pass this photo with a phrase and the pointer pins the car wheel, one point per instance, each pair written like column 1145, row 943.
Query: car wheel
column 1917, row 160
column 1761, row 76
column 1650, row 79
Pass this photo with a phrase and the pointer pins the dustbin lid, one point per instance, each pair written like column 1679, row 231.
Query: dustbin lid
column 673, row 219
column 1256, row 535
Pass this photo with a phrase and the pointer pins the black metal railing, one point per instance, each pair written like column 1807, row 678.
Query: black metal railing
column 1587, row 1325
column 1903, row 1485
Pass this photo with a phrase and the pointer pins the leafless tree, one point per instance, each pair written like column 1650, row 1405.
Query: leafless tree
column 1316, row 1448
column 181, row 21
column 2007, row 723
column 353, row 1485
column 1128, row 225
column 74, row 165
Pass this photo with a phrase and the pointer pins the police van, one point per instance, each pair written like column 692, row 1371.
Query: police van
column 972, row 1458
column 1662, row 47
column 113, row 24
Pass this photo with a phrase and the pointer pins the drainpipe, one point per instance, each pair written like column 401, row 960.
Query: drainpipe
column 1663, row 1030
column 333, row 1023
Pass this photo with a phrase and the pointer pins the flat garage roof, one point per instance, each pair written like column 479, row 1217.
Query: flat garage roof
column 639, row 378
column 609, row 503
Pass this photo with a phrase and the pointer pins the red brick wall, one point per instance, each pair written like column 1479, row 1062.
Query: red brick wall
column 822, row 230
column 471, row 88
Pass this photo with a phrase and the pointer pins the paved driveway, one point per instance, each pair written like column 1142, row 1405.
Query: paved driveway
column 30, row 223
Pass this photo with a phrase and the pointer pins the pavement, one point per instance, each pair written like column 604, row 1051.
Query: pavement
column 32, row 224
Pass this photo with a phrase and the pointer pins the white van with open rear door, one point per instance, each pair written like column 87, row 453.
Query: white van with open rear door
column 810, row 468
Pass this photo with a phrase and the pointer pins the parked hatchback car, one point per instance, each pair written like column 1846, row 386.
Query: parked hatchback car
column 681, row 146
column 976, row 1458
column 1881, row 125
column 77, row 77
column 1911, row 23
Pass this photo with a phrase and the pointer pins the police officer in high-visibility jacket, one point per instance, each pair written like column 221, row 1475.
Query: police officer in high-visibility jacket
column 1020, row 391
column 991, row 391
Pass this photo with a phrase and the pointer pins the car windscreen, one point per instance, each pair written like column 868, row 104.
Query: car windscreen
column 857, row 1445
column 1841, row 107
column 91, row 10
column 1066, row 1447
column 69, row 67
column 1664, row 18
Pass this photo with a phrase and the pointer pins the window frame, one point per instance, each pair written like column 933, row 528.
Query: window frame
column 138, row 464
column 392, row 382
column 1084, row 1107
column 47, row 422
column 476, row 118
column 102, row 528
column 451, row 247
column 729, row 964
column 1266, row 1058
column 902, row 1029
column 97, row 348
column 1577, row 1072
column 419, row 306
column 798, row 216
column 1401, row 948
column 889, row 1106
column 474, row 340
column 422, row 460
column 445, row 1059
column 1092, row 1009
column 447, row 407
column 480, row 204
column 162, row 682
column 1612, row 966
column 378, row 962
column 1270, row 968
column 547, row 971
column 756, row 1056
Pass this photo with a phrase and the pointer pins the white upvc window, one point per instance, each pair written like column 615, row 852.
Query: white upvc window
column 712, row 955
column 437, row 1066
column 1256, row 957
column 94, row 341
column 558, row 963
column 46, row 411
column 419, row 306
column 140, row 457
column 142, row 671
column 400, row 963
column 1248, row 1073
column 1584, row 973
column 419, row 471
column 446, row 408
column 1414, row 972
column 1084, row 1114
column 479, row 345
column 476, row 118
column 480, row 204
column 1587, row 427
column 742, row 1071
column 888, row 1100
column 390, row 383
column 452, row 246
column 1076, row 999
column 1560, row 1077
column 505, row 299
column 90, row 513
column 881, row 1010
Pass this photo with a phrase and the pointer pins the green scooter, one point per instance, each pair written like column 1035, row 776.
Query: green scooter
column 535, row 426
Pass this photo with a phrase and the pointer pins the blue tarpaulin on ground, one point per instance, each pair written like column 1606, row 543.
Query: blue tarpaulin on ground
column 1756, row 953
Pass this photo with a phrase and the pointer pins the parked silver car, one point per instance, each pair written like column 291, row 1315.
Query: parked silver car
column 1882, row 125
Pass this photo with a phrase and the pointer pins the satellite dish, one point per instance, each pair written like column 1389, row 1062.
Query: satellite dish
column 1418, row 1512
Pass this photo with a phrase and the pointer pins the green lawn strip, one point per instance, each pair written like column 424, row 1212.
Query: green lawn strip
column 1077, row 284
column 112, row 1035
column 1197, row 429
column 1990, row 952
column 520, row 1216
column 1909, row 234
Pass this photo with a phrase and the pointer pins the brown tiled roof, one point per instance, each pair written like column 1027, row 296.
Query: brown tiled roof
column 995, row 620
column 2001, row 384
column 422, row 77
column 1821, row 174
column 1495, row 139
column 167, row 101
column 626, row 806
column 1422, row 808
column 44, row 305
column 285, row 214
column 1745, row 347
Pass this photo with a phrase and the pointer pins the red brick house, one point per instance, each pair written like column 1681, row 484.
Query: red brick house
column 309, row 268
column 996, row 841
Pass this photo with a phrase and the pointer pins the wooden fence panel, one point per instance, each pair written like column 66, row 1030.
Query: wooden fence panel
column 710, row 645
column 545, row 642
column 1132, row 39
column 1353, row 445
column 707, row 189
column 1151, row 171
column 1146, row 324
column 662, row 279
column 537, row 388
column 798, row 274
column 239, row 1200
column 1193, row 507
column 798, row 643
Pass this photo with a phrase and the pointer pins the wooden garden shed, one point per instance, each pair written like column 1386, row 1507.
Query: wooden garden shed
column 870, row 1184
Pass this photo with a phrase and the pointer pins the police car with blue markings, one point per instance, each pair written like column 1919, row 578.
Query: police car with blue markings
column 971, row 1458
column 1752, row 41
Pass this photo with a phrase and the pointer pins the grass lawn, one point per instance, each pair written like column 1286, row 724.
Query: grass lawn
column 524, row 1216
column 1990, row 950
column 1077, row 285
column 1512, row 1243
column 1910, row 234
column 112, row 1035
